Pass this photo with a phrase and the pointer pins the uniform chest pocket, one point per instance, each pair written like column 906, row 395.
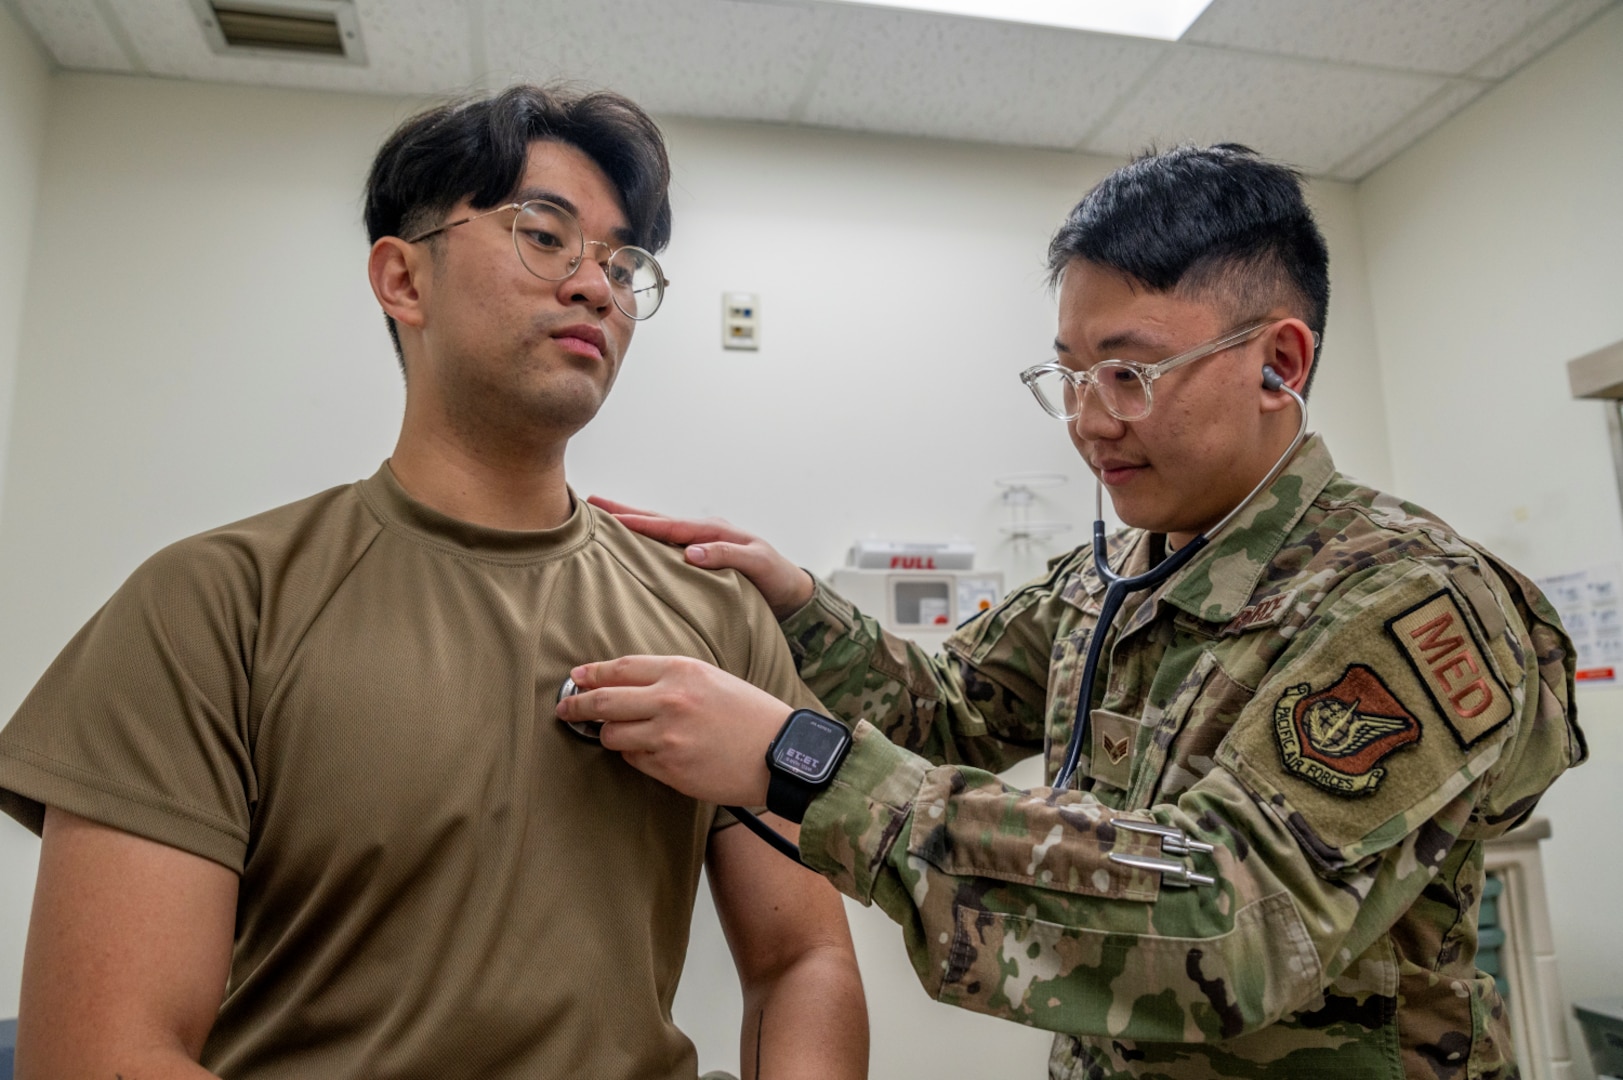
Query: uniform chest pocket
column 1188, row 731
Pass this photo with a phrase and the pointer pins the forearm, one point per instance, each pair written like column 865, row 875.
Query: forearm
column 940, row 706
column 810, row 1021
column 1017, row 904
column 63, row 1054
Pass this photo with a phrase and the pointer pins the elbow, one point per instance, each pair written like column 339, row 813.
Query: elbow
column 1143, row 987
column 831, row 963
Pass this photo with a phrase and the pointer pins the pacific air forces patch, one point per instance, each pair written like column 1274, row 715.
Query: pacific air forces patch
column 1335, row 738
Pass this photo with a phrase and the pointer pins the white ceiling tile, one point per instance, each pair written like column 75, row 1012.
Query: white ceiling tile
column 1417, row 35
column 715, row 58
column 1303, row 113
column 1540, row 37
column 968, row 79
column 412, row 47
column 76, row 34
column 1449, row 100
column 1330, row 85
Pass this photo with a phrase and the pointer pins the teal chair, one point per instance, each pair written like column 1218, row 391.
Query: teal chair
column 8, row 1048
column 1490, row 942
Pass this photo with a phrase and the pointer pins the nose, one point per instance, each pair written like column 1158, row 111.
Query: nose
column 1093, row 420
column 589, row 284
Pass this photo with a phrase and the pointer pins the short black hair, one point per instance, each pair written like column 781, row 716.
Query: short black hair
column 1218, row 220
column 477, row 149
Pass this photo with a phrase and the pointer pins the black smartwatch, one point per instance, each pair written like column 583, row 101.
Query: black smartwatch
column 802, row 761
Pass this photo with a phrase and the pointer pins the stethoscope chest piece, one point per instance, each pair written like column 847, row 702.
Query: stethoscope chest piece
column 586, row 729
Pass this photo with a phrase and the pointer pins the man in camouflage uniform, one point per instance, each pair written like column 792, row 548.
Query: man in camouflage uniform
column 1271, row 861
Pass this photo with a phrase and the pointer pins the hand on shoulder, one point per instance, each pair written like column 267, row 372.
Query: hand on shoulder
column 714, row 544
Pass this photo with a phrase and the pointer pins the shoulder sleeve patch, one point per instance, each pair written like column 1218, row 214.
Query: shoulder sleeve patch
column 1335, row 737
column 1442, row 647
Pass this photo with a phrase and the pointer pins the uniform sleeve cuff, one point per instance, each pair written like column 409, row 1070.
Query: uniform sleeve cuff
column 851, row 827
column 825, row 608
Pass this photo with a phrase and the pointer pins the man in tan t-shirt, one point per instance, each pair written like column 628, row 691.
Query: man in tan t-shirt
column 306, row 809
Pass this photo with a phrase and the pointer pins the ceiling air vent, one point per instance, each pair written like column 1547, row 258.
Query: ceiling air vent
column 314, row 29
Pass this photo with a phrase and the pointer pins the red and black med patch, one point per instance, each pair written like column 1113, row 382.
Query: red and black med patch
column 1336, row 737
column 1442, row 647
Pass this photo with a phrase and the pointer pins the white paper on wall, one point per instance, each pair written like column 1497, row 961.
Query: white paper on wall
column 1590, row 603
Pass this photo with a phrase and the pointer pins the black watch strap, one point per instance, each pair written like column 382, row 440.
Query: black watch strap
column 789, row 796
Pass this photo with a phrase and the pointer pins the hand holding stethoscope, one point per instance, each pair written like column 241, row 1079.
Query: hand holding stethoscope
column 786, row 587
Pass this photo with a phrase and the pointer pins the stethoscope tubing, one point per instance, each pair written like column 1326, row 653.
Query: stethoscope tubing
column 1115, row 593
column 1117, row 587
column 777, row 840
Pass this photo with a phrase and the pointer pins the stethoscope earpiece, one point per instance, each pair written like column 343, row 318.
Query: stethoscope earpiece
column 1270, row 378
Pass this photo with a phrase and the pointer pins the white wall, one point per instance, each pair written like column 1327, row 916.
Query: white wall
column 226, row 356
column 166, row 381
column 24, row 85
column 1495, row 251
column 24, row 88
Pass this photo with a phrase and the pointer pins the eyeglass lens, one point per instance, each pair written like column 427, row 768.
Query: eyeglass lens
column 550, row 246
column 1121, row 390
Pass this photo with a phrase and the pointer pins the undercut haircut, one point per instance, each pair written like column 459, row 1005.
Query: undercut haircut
column 1218, row 222
column 478, row 148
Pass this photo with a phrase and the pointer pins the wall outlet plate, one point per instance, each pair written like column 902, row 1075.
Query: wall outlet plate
column 740, row 321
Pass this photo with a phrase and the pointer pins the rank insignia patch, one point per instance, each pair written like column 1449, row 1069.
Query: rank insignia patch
column 1336, row 737
column 1115, row 749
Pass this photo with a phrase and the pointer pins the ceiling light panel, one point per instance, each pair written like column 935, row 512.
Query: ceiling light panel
column 1163, row 19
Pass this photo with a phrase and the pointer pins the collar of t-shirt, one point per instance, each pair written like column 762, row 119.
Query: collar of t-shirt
column 397, row 510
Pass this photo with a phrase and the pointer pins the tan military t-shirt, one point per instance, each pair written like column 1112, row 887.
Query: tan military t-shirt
column 349, row 700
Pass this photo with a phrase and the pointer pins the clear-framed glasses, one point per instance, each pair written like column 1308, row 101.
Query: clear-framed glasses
column 550, row 244
column 1126, row 388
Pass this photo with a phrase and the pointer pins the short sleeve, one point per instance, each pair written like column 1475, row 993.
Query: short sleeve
column 1390, row 703
column 140, row 724
column 769, row 666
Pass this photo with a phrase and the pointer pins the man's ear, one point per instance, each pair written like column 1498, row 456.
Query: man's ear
column 399, row 273
column 1289, row 353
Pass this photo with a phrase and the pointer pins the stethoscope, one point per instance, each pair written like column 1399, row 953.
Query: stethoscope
column 1117, row 588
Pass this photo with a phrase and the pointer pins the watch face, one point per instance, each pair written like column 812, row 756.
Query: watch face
column 809, row 747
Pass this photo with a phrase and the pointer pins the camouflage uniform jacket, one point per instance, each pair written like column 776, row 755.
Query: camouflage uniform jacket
column 1340, row 695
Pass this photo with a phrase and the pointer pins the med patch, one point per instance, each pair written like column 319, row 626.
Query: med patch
column 1335, row 738
column 1442, row 646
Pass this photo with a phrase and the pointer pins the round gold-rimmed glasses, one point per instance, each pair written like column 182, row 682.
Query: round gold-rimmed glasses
column 551, row 246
